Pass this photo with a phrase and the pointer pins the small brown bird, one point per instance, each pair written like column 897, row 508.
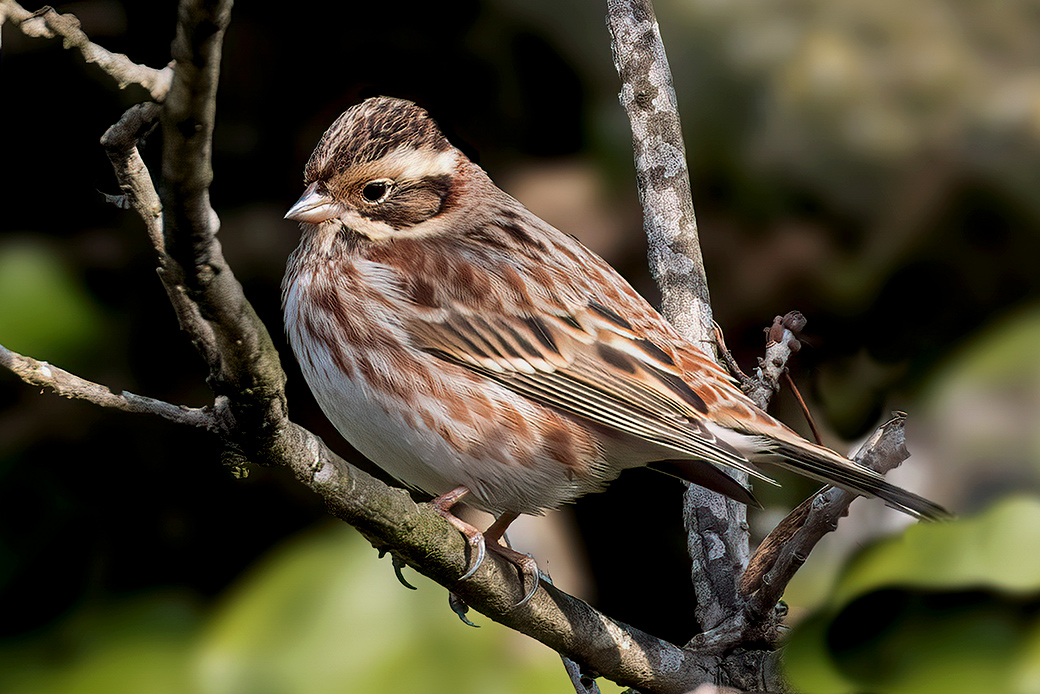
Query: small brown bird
column 471, row 349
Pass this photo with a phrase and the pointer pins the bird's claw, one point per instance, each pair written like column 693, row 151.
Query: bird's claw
column 477, row 552
column 478, row 544
column 460, row 608
column 474, row 538
column 527, row 568
column 398, row 565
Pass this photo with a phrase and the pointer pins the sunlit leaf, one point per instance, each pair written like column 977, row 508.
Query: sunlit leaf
column 323, row 615
column 947, row 608
column 998, row 549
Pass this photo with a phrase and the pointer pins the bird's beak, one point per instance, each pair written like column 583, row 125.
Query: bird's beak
column 314, row 207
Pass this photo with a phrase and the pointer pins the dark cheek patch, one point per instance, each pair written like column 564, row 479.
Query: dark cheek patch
column 413, row 203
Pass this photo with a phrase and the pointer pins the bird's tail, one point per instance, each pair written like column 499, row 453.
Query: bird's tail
column 832, row 468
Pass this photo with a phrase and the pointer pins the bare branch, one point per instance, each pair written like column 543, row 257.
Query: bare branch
column 426, row 542
column 781, row 343
column 48, row 23
column 121, row 144
column 788, row 546
column 390, row 519
column 68, row 385
column 250, row 412
column 582, row 683
column 247, row 370
column 648, row 97
column 250, row 376
column 716, row 527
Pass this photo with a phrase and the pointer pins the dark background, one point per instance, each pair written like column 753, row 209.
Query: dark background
column 877, row 172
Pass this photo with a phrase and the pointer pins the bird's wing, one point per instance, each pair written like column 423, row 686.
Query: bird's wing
column 587, row 362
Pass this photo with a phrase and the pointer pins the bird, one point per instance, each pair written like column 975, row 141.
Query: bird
column 473, row 351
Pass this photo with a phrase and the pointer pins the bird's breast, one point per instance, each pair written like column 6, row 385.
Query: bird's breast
column 431, row 424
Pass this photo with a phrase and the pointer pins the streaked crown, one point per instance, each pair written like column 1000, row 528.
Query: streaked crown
column 371, row 130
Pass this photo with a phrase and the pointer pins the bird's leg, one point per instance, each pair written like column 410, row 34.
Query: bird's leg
column 497, row 530
column 442, row 505
column 524, row 563
column 478, row 541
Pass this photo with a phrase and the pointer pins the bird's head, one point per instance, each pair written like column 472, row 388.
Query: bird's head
column 380, row 171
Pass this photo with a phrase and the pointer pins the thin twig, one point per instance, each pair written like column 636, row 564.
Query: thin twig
column 121, row 142
column 729, row 361
column 69, row 385
column 782, row 556
column 48, row 23
column 805, row 408
column 582, row 683
column 781, row 342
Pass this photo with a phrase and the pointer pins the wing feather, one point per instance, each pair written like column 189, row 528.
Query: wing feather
column 591, row 365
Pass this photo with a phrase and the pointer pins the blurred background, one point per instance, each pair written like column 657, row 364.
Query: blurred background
column 873, row 165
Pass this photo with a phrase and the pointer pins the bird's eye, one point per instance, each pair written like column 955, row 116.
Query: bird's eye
column 376, row 191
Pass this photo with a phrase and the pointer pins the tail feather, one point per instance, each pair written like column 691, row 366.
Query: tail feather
column 827, row 466
column 708, row 476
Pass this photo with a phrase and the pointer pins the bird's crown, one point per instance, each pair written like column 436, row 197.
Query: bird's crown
column 371, row 130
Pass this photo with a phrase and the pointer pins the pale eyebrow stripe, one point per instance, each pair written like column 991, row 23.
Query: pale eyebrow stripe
column 419, row 163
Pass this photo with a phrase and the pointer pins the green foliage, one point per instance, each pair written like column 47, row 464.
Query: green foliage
column 142, row 645
column 948, row 608
column 319, row 614
column 45, row 311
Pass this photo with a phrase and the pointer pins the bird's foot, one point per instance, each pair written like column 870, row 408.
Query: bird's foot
column 442, row 505
column 525, row 565
column 460, row 608
column 399, row 564
column 479, row 543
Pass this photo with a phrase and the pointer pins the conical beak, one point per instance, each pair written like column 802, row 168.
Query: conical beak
column 314, row 207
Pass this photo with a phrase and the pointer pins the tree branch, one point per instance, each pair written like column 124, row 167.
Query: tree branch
column 249, row 411
column 46, row 22
column 121, row 142
column 390, row 520
column 68, row 385
column 245, row 366
column 648, row 97
column 716, row 527
column 781, row 343
column 786, row 548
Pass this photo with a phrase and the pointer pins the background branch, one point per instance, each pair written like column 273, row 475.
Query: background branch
column 786, row 548
column 716, row 527
column 48, row 23
column 68, row 385
column 663, row 180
